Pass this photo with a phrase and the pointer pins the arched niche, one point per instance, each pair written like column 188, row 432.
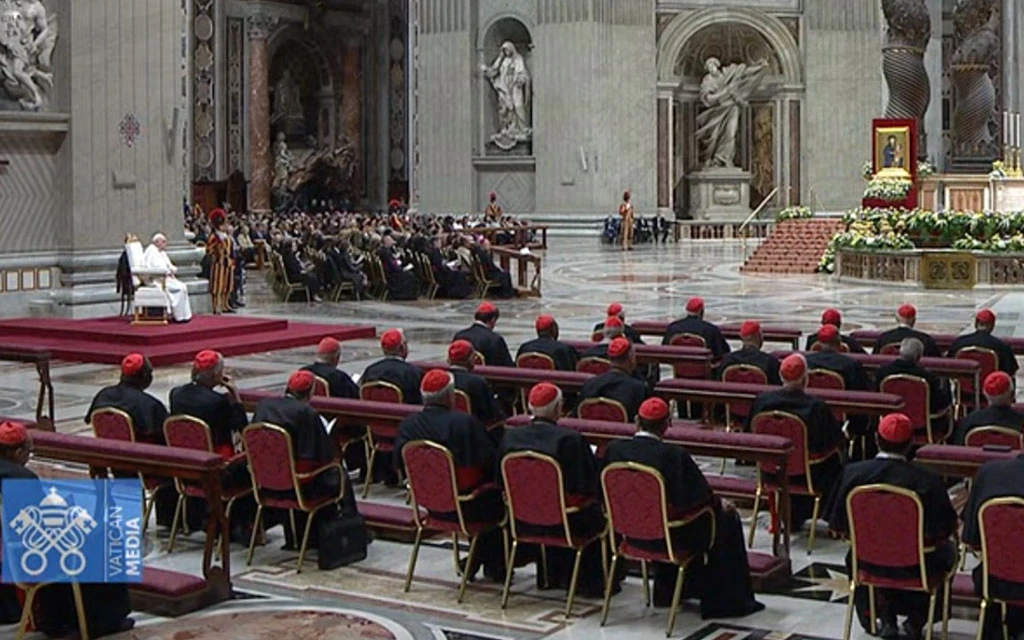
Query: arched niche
column 506, row 28
column 306, row 59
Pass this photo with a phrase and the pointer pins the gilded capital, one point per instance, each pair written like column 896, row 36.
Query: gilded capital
column 259, row 25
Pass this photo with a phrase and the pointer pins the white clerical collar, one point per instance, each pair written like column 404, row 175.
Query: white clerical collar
column 885, row 455
column 646, row 434
column 482, row 324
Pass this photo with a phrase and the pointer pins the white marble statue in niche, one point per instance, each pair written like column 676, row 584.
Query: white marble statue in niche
column 511, row 81
column 724, row 93
column 27, row 38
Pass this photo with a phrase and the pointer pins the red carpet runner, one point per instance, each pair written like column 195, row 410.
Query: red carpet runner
column 108, row 340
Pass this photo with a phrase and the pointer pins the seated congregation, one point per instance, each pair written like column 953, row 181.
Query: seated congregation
column 540, row 492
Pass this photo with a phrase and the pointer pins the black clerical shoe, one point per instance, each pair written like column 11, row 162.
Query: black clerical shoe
column 913, row 630
column 888, row 631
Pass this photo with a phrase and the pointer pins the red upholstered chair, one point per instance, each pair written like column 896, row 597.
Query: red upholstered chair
column 891, row 349
column 321, row 387
column 746, row 374
column 697, row 371
column 271, row 457
column 30, row 608
column 188, row 432
column 535, row 495
column 114, row 424
column 594, row 365
column 534, row 360
column 993, row 435
column 597, row 336
column 604, row 409
column 380, row 435
column 462, row 402
column 917, row 397
column 637, row 509
column 800, row 463
column 433, row 486
column 1001, row 520
column 887, row 531
column 842, row 347
column 343, row 437
column 989, row 362
column 478, row 359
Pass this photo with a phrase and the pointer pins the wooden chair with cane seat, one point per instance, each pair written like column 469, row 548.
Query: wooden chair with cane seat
column 886, row 531
column 281, row 486
column 638, row 510
column 535, row 495
column 799, row 467
column 917, row 397
column 380, row 435
column 1000, row 521
column 114, row 424
column 188, row 432
column 434, row 487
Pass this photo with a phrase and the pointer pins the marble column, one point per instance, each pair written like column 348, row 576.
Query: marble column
column 351, row 103
column 260, row 173
column 664, row 152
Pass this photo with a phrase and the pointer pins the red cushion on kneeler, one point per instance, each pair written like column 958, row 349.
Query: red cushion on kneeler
column 387, row 515
column 762, row 563
column 733, row 486
column 171, row 584
column 963, row 587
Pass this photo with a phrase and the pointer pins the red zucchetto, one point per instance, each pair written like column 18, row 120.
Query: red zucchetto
column 328, row 346
column 793, row 368
column 301, row 381
column 896, row 428
column 614, row 309
column 828, row 333
column 206, row 360
column 392, row 339
column 997, row 384
column 619, row 348
column 985, row 316
column 907, row 311
column 695, row 305
column 460, row 351
column 750, row 328
column 436, row 381
column 832, row 316
column 543, row 394
column 545, row 322
column 653, row 409
column 132, row 364
column 12, row 434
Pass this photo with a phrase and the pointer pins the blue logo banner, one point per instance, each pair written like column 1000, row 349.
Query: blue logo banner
column 58, row 530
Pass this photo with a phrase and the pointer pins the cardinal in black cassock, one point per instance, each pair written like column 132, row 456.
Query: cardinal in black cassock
column 906, row 317
column 695, row 324
column 619, row 384
column 129, row 395
column 984, row 324
column 328, row 356
column 482, row 402
column 829, row 358
column 723, row 583
column 834, row 318
column 564, row 356
column 824, row 434
column 751, row 354
column 485, row 339
column 1000, row 393
column 890, row 466
column 581, row 484
column 475, row 455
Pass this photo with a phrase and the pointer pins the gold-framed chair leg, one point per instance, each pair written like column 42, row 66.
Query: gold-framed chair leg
column 608, row 589
column 572, row 583
column 178, row 508
column 543, row 566
column 455, row 554
column 931, row 617
column 872, row 611
column 412, row 559
column 676, row 594
column 305, row 539
column 369, row 470
column 645, row 576
column 26, row 610
column 256, row 525
column 469, row 563
column 508, row 573
column 753, row 516
column 148, row 512
column 83, row 621
column 981, row 619
column 849, row 612
column 814, row 524
column 1006, row 630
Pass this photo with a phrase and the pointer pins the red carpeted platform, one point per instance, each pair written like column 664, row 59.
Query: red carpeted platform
column 108, row 340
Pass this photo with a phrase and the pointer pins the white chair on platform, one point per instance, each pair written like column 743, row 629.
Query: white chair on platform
column 150, row 287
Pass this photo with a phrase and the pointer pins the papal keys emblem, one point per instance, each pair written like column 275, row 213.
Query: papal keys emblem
column 53, row 527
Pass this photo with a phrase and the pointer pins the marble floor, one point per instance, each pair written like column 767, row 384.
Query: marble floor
column 581, row 278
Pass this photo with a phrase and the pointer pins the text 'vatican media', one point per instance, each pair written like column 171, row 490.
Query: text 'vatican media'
column 124, row 545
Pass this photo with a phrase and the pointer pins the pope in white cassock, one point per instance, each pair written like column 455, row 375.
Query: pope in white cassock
column 156, row 259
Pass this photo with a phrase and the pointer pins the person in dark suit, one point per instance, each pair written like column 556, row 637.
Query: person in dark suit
column 834, row 318
column 615, row 310
column 546, row 343
column 824, row 433
column 452, row 283
column 340, row 255
column 394, row 369
column 908, row 363
column 401, row 281
column 106, row 606
column 129, row 395
column 984, row 324
column 222, row 412
column 751, row 354
column 619, row 384
column 723, row 583
column 298, row 272
column 312, row 446
column 906, row 317
column 475, row 457
column 997, row 479
column 328, row 356
column 481, row 398
column 1000, row 393
column 485, row 339
column 580, row 482
column 493, row 272
column 695, row 324
column 890, row 466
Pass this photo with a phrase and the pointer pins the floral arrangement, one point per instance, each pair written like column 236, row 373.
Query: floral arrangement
column 998, row 170
column 888, row 189
column 999, row 244
column 794, row 213
column 925, row 169
column 867, row 170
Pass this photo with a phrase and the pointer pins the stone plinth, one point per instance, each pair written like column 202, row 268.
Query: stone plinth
column 720, row 194
column 1008, row 194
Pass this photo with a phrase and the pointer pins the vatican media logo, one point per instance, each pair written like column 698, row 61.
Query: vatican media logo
column 72, row 530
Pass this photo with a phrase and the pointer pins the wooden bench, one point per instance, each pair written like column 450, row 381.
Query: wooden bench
column 731, row 331
column 954, row 368
column 869, row 403
column 661, row 354
column 868, row 339
column 161, row 592
column 41, row 359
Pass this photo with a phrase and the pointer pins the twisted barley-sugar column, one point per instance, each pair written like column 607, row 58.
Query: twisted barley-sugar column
column 907, row 35
column 975, row 94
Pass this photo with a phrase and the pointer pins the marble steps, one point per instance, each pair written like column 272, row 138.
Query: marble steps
column 795, row 247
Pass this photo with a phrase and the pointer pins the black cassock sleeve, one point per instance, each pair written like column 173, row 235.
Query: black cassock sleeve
column 939, row 516
column 685, row 484
column 316, row 441
column 835, row 510
column 972, row 530
column 235, row 414
column 579, row 467
column 824, row 432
